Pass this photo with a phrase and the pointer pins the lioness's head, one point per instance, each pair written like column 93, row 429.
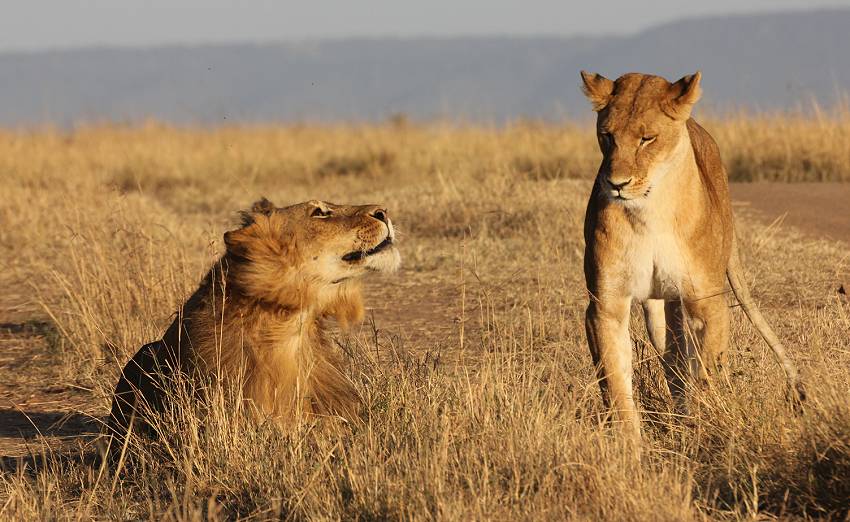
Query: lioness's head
column 641, row 128
column 308, row 247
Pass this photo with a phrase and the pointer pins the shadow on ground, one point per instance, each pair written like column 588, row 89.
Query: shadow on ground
column 29, row 427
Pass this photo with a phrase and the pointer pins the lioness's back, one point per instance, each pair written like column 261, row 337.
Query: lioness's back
column 710, row 165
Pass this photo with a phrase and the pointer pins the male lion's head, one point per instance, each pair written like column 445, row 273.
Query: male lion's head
column 306, row 250
column 641, row 127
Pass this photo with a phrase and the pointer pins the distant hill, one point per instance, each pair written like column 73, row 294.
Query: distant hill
column 760, row 61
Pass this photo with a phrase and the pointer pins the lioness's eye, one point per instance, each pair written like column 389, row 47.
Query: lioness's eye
column 319, row 213
column 647, row 139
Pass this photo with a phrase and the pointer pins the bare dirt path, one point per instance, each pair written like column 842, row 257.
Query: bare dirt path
column 817, row 209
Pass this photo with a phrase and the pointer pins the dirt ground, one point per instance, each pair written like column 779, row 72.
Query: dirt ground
column 818, row 209
column 32, row 408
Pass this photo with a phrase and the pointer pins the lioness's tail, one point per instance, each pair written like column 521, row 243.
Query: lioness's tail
column 735, row 274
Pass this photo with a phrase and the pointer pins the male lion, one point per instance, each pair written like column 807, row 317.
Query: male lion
column 258, row 319
column 659, row 230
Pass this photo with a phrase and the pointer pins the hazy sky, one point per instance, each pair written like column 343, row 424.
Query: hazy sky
column 39, row 24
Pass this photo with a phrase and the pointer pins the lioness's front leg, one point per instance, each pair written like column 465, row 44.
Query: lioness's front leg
column 607, row 324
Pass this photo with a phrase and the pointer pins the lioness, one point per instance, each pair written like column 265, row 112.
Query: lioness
column 258, row 319
column 659, row 230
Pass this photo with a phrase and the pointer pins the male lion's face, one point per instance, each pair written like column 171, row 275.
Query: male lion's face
column 314, row 243
column 344, row 241
column 641, row 128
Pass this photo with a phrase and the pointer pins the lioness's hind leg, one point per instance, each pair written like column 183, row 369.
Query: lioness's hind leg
column 710, row 325
column 656, row 325
column 677, row 356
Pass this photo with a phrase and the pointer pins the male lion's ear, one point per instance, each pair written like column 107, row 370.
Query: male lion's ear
column 682, row 95
column 597, row 88
column 263, row 206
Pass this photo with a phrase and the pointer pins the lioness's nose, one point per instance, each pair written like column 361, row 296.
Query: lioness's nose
column 380, row 214
column 617, row 184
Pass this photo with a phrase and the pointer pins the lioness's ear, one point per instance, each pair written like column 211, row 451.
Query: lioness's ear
column 597, row 88
column 682, row 96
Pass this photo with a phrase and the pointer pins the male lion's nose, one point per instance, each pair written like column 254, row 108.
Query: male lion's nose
column 617, row 184
column 380, row 214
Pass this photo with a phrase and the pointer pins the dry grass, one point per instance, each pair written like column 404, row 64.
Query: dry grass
column 785, row 147
column 494, row 416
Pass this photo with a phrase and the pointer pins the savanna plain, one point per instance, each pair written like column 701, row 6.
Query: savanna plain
column 479, row 399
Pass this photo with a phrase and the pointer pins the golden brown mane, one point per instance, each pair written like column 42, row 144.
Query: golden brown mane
column 259, row 320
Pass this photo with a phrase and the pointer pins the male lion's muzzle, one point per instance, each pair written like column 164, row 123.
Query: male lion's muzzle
column 357, row 255
column 379, row 214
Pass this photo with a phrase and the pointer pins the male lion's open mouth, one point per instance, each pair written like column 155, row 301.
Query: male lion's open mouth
column 357, row 255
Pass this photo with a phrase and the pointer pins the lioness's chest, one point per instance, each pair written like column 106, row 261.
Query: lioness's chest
column 657, row 265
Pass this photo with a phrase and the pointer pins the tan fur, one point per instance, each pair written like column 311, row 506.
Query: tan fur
column 259, row 319
column 659, row 230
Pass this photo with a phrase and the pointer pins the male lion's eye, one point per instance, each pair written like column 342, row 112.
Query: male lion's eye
column 318, row 212
column 647, row 140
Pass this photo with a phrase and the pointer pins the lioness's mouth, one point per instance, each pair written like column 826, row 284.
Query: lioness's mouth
column 357, row 255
